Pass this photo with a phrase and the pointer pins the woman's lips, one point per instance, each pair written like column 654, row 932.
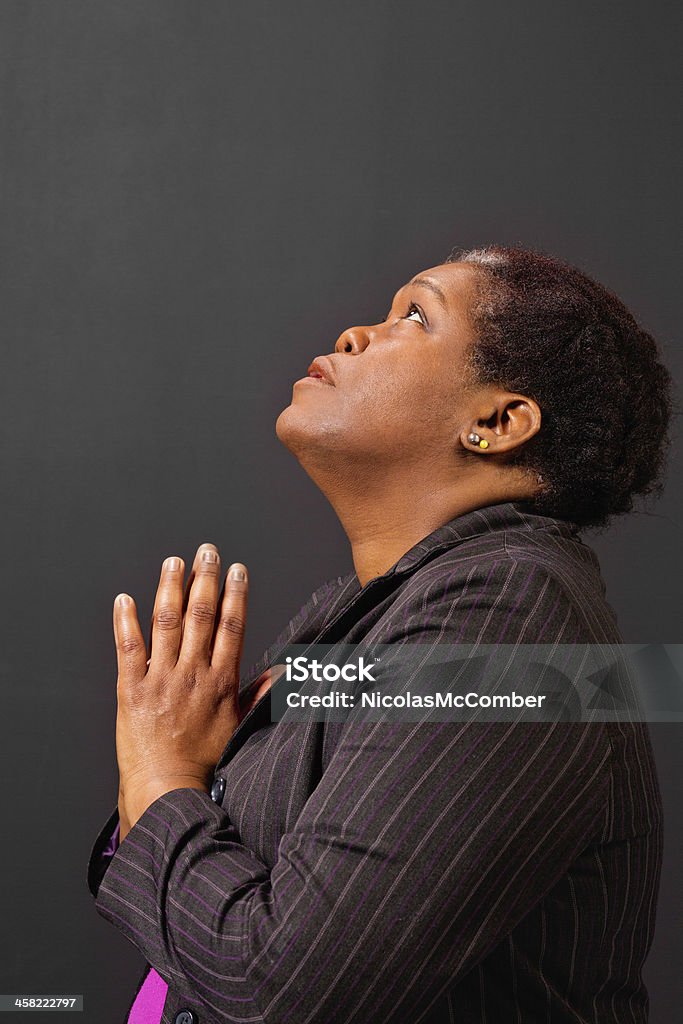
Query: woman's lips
column 314, row 380
column 322, row 369
column 320, row 372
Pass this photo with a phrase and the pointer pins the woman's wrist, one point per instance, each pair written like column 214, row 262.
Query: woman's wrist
column 136, row 802
column 124, row 824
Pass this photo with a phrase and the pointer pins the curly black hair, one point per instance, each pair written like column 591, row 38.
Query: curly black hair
column 547, row 330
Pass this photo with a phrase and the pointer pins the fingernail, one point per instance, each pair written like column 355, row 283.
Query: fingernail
column 123, row 600
column 172, row 564
column 238, row 574
column 209, row 555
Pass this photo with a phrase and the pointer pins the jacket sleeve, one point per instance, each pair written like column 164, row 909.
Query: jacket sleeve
column 421, row 848
column 103, row 849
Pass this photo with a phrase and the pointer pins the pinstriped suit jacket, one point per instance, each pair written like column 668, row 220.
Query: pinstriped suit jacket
column 395, row 874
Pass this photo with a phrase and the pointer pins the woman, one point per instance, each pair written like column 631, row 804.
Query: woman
column 376, row 872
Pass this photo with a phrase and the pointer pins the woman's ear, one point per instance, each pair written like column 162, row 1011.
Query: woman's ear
column 521, row 418
column 508, row 421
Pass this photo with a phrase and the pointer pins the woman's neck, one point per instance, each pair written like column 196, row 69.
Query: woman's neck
column 382, row 527
column 384, row 513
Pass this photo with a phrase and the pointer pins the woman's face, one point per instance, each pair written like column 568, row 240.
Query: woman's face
column 393, row 391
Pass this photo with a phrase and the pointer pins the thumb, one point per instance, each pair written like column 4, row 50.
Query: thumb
column 259, row 688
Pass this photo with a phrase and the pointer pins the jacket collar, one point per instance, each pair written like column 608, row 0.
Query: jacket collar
column 506, row 516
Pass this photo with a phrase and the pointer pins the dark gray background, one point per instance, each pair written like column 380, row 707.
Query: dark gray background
column 197, row 199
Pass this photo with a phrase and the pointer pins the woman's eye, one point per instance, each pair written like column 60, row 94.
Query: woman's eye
column 413, row 309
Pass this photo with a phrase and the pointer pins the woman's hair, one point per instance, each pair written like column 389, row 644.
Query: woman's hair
column 548, row 331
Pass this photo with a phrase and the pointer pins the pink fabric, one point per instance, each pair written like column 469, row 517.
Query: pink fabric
column 149, row 1002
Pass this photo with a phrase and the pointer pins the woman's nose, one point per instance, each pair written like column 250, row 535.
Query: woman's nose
column 353, row 340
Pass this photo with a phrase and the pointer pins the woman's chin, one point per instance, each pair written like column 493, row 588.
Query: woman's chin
column 294, row 427
column 303, row 430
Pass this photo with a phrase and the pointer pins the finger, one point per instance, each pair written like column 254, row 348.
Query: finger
column 200, row 617
column 131, row 653
column 167, row 616
column 229, row 639
column 251, row 699
column 184, row 606
column 189, row 582
column 259, row 688
column 219, row 604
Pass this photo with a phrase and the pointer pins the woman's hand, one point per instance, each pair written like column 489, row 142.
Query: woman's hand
column 177, row 710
